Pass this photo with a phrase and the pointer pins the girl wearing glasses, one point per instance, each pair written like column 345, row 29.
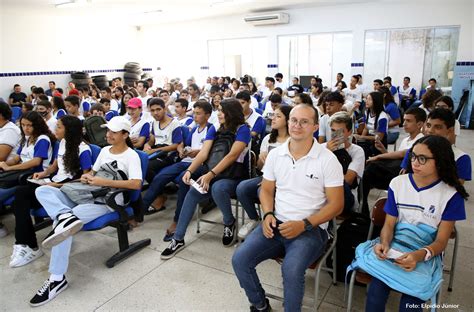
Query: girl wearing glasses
column 429, row 197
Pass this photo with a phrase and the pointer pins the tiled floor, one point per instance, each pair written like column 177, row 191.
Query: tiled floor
column 198, row 278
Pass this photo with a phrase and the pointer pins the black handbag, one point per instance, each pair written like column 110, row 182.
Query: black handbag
column 221, row 146
column 13, row 178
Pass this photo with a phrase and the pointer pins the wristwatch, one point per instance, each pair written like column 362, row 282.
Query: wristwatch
column 307, row 225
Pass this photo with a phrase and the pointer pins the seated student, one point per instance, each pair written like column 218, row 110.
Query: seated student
column 35, row 149
column 431, row 86
column 376, row 125
column 446, row 102
column 213, row 182
column 85, row 107
column 301, row 191
column 181, row 107
column 72, row 106
column 432, row 184
column 377, row 84
column 69, row 217
column 393, row 114
column 252, row 118
column 253, row 99
column 74, row 158
column 107, row 94
column 334, row 102
column 387, row 82
column 44, row 108
column 165, row 137
column 321, row 104
column 316, row 90
column 382, row 168
column 123, row 105
column 108, row 113
column 441, row 123
column 407, row 94
column 140, row 131
column 247, row 190
column 273, row 103
column 169, row 102
column 187, row 152
column 97, row 110
column 26, row 108
column 302, row 98
column 353, row 169
column 59, row 110
column 184, row 94
column 428, row 100
column 353, row 95
column 17, row 97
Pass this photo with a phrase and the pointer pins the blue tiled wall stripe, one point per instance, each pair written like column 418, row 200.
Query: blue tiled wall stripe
column 66, row 72
column 464, row 63
column 272, row 66
column 204, row 67
column 357, row 64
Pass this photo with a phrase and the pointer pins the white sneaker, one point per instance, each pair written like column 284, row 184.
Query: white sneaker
column 23, row 254
column 3, row 230
column 247, row 228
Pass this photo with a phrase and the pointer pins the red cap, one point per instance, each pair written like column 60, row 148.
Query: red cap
column 74, row 92
column 134, row 103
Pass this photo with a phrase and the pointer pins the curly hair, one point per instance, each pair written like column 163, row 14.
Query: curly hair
column 39, row 127
column 445, row 164
column 234, row 115
column 73, row 138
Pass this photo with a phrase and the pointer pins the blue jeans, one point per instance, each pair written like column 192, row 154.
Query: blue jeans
column 166, row 175
column 247, row 194
column 377, row 296
column 221, row 191
column 299, row 253
column 6, row 193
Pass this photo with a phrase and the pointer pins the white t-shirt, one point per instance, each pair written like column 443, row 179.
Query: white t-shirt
column 128, row 162
column 85, row 159
column 407, row 143
column 300, row 184
column 52, row 124
column 144, row 102
column 325, row 127
column 353, row 95
column 358, row 158
column 10, row 135
column 267, row 146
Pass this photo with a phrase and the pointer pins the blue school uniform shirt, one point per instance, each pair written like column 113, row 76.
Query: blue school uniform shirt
column 41, row 148
column 463, row 163
column 428, row 205
column 393, row 113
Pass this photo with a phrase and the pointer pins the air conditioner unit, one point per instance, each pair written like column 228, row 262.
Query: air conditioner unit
column 268, row 19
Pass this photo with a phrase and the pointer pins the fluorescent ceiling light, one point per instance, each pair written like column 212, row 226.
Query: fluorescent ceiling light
column 70, row 3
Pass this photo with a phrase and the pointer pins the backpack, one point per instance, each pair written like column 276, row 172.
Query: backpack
column 95, row 134
column 81, row 193
column 13, row 178
column 350, row 234
column 423, row 282
column 221, row 146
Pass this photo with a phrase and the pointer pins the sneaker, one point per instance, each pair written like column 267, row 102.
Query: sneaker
column 174, row 247
column 229, row 234
column 3, row 230
column 267, row 308
column 48, row 292
column 68, row 224
column 247, row 228
column 23, row 254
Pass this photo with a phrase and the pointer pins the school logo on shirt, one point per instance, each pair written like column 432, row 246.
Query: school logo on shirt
column 312, row 176
column 432, row 209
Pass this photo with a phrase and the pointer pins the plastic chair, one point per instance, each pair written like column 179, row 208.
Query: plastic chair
column 319, row 265
column 16, row 113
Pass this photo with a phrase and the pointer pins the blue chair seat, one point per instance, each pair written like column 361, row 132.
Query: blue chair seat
column 9, row 201
column 40, row 213
column 105, row 220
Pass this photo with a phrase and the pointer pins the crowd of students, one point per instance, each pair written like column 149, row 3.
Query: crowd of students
column 300, row 154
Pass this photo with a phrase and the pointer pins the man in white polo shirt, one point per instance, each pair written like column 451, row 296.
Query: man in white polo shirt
column 309, row 181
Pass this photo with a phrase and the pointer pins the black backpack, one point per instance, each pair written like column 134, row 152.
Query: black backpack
column 95, row 134
column 350, row 234
column 221, row 146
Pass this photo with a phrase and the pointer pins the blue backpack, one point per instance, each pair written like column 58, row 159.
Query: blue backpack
column 423, row 282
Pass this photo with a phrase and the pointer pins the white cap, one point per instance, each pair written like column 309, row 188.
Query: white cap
column 117, row 124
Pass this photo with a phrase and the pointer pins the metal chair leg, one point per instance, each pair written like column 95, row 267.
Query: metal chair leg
column 351, row 291
column 453, row 261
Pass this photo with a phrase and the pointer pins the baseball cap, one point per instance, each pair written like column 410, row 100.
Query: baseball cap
column 117, row 124
column 74, row 92
column 134, row 103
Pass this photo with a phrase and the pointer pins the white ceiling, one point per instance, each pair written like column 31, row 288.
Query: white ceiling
column 133, row 11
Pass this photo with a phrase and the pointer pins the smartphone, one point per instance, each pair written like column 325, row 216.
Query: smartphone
column 338, row 135
column 197, row 186
column 275, row 229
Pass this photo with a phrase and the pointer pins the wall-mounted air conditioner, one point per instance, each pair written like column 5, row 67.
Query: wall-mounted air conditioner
column 268, row 19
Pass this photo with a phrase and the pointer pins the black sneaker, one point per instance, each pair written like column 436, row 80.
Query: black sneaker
column 267, row 308
column 173, row 248
column 229, row 234
column 48, row 292
column 68, row 224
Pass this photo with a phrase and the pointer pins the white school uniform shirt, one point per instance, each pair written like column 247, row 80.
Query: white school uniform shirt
column 407, row 143
column 186, row 121
column 140, row 128
column 85, row 160
column 42, row 148
column 457, row 128
column 428, row 205
column 325, row 127
column 404, row 92
column 198, row 138
column 10, row 134
column 300, row 184
column 370, row 123
column 253, row 103
column 128, row 162
column 169, row 134
column 353, row 95
column 144, row 102
column 52, row 124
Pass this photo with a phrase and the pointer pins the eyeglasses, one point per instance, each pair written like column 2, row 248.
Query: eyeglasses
column 303, row 123
column 422, row 159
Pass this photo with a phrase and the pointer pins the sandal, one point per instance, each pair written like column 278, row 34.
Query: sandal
column 152, row 210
